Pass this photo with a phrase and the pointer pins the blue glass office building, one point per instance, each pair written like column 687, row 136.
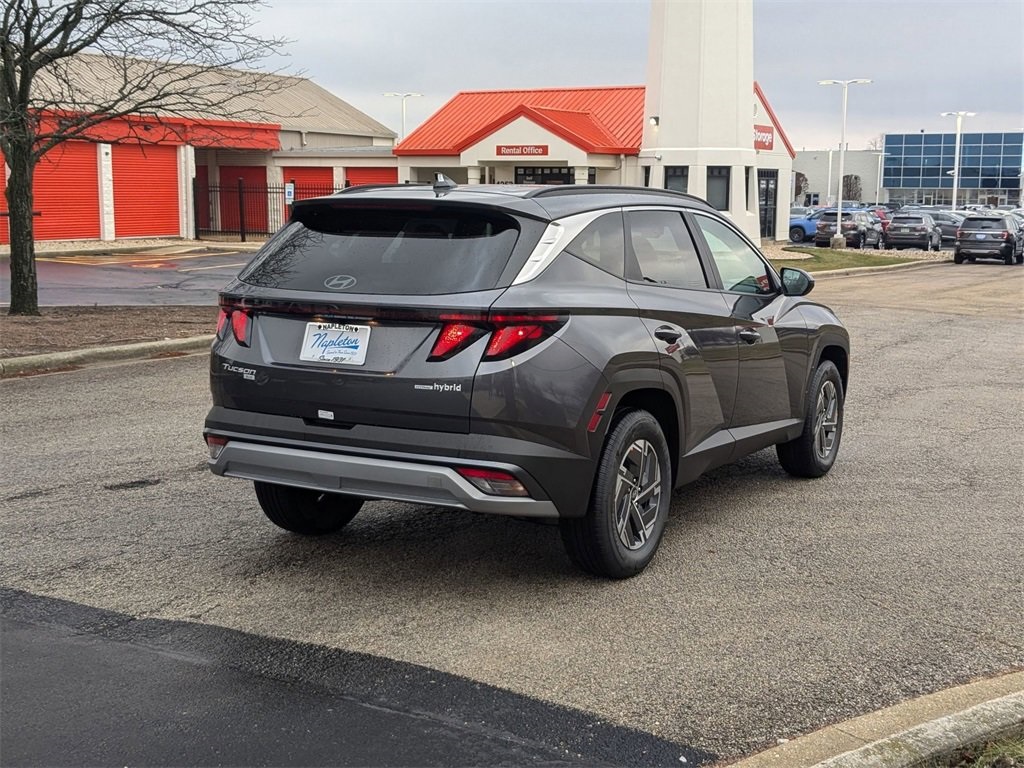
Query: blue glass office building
column 918, row 168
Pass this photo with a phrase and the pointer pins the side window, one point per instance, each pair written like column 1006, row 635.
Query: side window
column 601, row 243
column 740, row 266
column 665, row 252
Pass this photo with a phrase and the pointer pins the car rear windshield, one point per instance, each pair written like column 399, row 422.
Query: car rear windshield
column 832, row 216
column 907, row 220
column 971, row 223
column 425, row 251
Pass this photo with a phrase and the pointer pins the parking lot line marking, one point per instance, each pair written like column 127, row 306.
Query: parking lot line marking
column 214, row 266
column 99, row 261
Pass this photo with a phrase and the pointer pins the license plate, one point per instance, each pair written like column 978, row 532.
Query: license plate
column 980, row 236
column 335, row 343
column 902, row 229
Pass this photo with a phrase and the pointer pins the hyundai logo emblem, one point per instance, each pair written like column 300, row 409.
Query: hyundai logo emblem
column 340, row 282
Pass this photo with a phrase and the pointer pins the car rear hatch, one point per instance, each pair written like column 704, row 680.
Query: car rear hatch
column 827, row 223
column 909, row 227
column 355, row 314
column 977, row 231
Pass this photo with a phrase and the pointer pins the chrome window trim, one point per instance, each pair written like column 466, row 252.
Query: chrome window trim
column 559, row 233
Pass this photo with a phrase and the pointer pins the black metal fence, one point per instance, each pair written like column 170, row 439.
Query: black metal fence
column 247, row 210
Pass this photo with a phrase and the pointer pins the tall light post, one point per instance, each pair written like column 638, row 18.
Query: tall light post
column 403, row 97
column 956, row 151
column 878, row 179
column 839, row 241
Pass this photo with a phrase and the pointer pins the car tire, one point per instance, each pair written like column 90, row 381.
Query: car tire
column 859, row 242
column 813, row 453
column 305, row 511
column 937, row 246
column 624, row 522
column 1008, row 258
column 878, row 243
column 888, row 247
column 797, row 235
column 958, row 258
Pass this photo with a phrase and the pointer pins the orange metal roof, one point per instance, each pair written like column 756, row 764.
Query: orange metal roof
column 774, row 119
column 600, row 120
column 595, row 119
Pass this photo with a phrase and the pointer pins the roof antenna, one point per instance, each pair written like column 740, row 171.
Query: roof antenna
column 443, row 185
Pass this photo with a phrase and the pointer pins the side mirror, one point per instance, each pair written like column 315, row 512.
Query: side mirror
column 796, row 282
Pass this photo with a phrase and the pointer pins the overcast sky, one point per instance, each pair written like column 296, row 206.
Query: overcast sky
column 925, row 56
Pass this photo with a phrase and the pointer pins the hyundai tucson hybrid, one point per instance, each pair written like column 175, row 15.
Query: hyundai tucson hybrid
column 570, row 353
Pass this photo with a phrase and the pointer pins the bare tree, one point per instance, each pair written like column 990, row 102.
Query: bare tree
column 800, row 185
column 851, row 187
column 68, row 66
column 877, row 142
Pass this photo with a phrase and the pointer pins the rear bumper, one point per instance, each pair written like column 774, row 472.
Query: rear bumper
column 374, row 478
column 915, row 240
column 411, row 465
column 983, row 247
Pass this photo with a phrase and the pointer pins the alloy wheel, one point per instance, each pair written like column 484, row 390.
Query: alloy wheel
column 637, row 494
column 826, row 420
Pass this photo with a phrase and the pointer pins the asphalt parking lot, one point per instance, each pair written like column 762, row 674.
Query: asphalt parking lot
column 774, row 606
column 174, row 274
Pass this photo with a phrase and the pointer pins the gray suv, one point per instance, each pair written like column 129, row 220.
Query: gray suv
column 573, row 353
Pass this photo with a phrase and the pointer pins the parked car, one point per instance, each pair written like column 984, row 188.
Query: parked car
column 569, row 353
column 948, row 223
column 882, row 214
column 990, row 236
column 803, row 228
column 857, row 226
column 799, row 211
column 916, row 229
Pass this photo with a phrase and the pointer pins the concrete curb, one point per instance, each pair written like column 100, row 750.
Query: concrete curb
column 939, row 737
column 19, row 366
column 853, row 271
column 127, row 247
column 907, row 734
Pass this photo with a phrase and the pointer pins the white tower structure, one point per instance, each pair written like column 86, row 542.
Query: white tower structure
column 700, row 104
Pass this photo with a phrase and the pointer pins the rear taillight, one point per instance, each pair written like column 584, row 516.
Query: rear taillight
column 920, row 229
column 507, row 340
column 494, row 482
column 510, row 334
column 848, row 225
column 959, row 234
column 215, row 444
column 240, row 320
column 454, row 337
column 1005, row 234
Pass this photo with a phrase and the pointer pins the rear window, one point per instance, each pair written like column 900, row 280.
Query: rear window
column 386, row 251
column 972, row 223
column 832, row 216
column 907, row 220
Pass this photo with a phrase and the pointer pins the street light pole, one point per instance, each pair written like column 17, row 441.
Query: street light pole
column 956, row 151
column 878, row 179
column 403, row 97
column 839, row 241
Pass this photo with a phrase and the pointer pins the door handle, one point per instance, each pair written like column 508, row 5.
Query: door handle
column 668, row 333
column 750, row 335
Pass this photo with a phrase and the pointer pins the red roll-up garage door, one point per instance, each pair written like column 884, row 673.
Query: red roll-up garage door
column 250, row 202
column 310, row 182
column 145, row 190
column 356, row 176
column 66, row 192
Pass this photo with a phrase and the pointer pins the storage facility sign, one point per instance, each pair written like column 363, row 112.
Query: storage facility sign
column 764, row 137
column 521, row 150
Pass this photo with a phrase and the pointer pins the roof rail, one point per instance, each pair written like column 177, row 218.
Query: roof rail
column 598, row 189
column 370, row 187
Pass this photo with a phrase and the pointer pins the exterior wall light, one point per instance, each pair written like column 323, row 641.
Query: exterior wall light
column 654, row 120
